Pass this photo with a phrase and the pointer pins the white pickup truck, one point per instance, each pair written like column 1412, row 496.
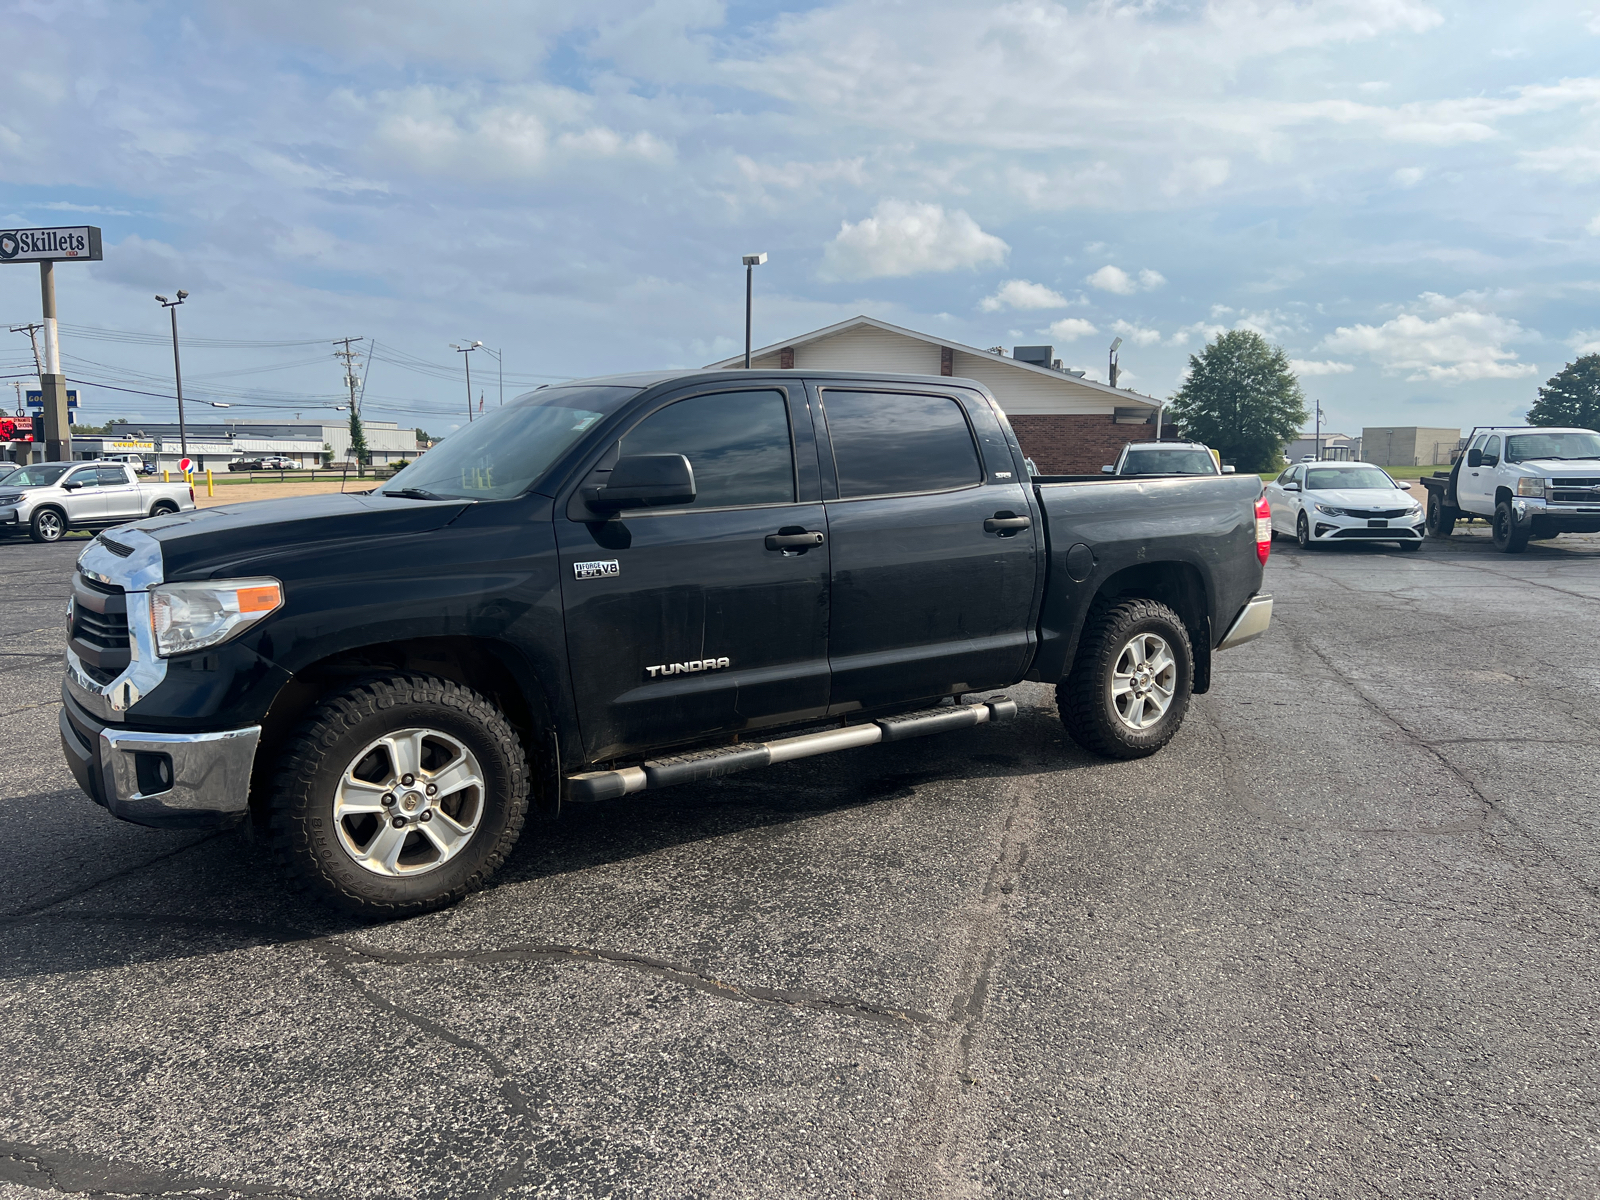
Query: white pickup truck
column 48, row 499
column 1527, row 481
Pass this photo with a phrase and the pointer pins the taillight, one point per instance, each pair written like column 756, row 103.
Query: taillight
column 191, row 495
column 1263, row 528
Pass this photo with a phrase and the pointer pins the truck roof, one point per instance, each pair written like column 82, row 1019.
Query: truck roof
column 646, row 379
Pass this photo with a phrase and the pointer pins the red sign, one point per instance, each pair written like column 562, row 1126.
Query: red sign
column 16, row 429
column 186, row 465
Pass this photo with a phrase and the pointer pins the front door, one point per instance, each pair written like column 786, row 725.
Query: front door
column 1475, row 485
column 84, row 503
column 690, row 623
column 934, row 550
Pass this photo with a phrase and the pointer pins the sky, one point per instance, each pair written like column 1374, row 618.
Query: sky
column 1402, row 194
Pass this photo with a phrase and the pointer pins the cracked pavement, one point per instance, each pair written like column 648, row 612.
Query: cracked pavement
column 1337, row 940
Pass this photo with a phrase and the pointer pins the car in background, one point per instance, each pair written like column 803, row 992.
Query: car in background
column 246, row 464
column 140, row 465
column 1167, row 458
column 277, row 462
column 1321, row 502
column 49, row 499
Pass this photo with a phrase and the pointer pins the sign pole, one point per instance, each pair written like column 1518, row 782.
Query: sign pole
column 52, row 383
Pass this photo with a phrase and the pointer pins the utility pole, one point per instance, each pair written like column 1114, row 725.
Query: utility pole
column 33, row 339
column 751, row 262
column 466, row 352
column 177, row 368
column 1316, row 436
column 358, row 436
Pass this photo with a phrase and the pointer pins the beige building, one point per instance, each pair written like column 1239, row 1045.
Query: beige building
column 1408, row 445
column 1067, row 424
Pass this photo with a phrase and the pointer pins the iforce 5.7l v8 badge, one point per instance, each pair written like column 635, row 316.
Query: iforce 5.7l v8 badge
column 596, row 570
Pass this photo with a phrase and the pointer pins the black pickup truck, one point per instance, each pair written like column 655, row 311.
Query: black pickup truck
column 626, row 583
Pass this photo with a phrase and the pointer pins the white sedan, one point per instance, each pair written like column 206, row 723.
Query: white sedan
column 1321, row 502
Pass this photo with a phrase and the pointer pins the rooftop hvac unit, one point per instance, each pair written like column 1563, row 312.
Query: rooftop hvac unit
column 1039, row 356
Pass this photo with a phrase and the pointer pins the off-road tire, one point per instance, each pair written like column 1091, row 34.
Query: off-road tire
column 1084, row 698
column 1441, row 520
column 48, row 525
column 1508, row 538
column 1302, row 533
column 303, row 834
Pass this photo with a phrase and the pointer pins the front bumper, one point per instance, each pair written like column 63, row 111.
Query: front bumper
column 1556, row 518
column 164, row 780
column 1325, row 528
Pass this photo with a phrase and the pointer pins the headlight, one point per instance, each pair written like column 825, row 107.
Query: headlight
column 1530, row 487
column 192, row 616
column 1332, row 512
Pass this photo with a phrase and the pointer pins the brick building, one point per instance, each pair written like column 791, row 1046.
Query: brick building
column 1067, row 424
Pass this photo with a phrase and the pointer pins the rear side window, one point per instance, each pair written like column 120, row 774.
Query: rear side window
column 112, row 477
column 885, row 443
column 737, row 442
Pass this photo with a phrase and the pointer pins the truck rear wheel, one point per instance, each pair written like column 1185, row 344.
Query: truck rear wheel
column 399, row 796
column 1508, row 537
column 1441, row 519
column 1129, row 689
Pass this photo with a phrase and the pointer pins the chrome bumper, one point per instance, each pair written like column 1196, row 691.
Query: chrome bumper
column 164, row 780
column 136, row 574
column 1250, row 624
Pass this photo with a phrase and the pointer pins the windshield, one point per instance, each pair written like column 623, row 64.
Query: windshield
column 37, row 476
column 1169, row 462
column 502, row 454
column 1525, row 446
column 1329, row 479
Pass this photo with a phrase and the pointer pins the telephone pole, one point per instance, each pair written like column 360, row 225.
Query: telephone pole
column 358, row 436
column 33, row 338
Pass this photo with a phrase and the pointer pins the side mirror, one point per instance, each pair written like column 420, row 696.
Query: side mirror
column 1108, row 469
column 1474, row 457
column 645, row 481
column 71, row 485
column 1227, row 470
column 1291, row 487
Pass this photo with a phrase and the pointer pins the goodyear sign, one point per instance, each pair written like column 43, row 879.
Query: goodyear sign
column 72, row 243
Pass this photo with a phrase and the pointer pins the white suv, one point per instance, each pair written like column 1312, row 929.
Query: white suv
column 1529, row 482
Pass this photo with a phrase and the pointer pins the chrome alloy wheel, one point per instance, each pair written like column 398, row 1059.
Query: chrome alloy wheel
column 50, row 525
column 409, row 802
column 1143, row 683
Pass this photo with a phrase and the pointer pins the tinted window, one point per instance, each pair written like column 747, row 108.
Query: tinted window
column 112, row 477
column 1491, row 448
column 737, row 442
column 87, row 478
column 885, row 443
column 1169, row 462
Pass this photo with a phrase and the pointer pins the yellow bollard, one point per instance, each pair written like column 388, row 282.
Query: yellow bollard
column 211, row 489
column 166, row 476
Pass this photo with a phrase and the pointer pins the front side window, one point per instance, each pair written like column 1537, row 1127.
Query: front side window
column 505, row 453
column 1331, row 479
column 737, row 442
column 1491, row 449
column 1169, row 462
column 85, row 478
column 886, row 443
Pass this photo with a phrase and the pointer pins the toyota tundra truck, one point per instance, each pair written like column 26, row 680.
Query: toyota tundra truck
column 1528, row 481
column 618, row 585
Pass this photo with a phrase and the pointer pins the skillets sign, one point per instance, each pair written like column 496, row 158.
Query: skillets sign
column 71, row 244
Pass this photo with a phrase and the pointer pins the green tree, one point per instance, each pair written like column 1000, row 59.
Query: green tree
column 424, row 437
column 1571, row 396
column 1241, row 399
column 98, row 430
column 358, row 440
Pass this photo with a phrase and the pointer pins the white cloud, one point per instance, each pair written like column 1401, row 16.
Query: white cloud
column 1575, row 162
column 1114, row 279
column 1585, row 341
column 1070, row 329
column 909, row 239
column 1408, row 177
column 1303, row 366
column 1138, row 335
column 1195, row 176
column 1202, row 331
column 1442, row 340
column 1019, row 293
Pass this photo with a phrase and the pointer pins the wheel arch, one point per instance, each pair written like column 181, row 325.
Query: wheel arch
column 1177, row 584
column 494, row 669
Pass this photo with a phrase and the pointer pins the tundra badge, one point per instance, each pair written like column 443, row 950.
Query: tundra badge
column 595, row 570
column 687, row 668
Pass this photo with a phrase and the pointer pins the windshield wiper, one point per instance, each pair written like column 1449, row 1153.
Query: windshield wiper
column 413, row 493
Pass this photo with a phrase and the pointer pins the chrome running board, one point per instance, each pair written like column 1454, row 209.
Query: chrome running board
column 725, row 760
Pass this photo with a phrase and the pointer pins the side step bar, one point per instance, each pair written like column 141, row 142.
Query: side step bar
column 725, row 760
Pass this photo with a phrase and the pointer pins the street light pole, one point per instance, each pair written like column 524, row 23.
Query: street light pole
column 467, row 350
column 751, row 262
column 1112, row 364
column 177, row 368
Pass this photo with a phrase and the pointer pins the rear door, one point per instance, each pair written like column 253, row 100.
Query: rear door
column 121, row 494
column 693, row 622
column 934, row 550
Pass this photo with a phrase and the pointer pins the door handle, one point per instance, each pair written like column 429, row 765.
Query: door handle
column 1005, row 523
column 794, row 539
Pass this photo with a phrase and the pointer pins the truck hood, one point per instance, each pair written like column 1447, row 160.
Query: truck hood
column 1569, row 467
column 206, row 543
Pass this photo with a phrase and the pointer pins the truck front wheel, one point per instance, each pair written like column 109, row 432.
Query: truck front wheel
column 1441, row 520
column 48, row 525
column 1508, row 536
column 398, row 796
column 1129, row 688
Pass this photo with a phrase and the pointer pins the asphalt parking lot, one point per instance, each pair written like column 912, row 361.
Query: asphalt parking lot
column 1338, row 940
